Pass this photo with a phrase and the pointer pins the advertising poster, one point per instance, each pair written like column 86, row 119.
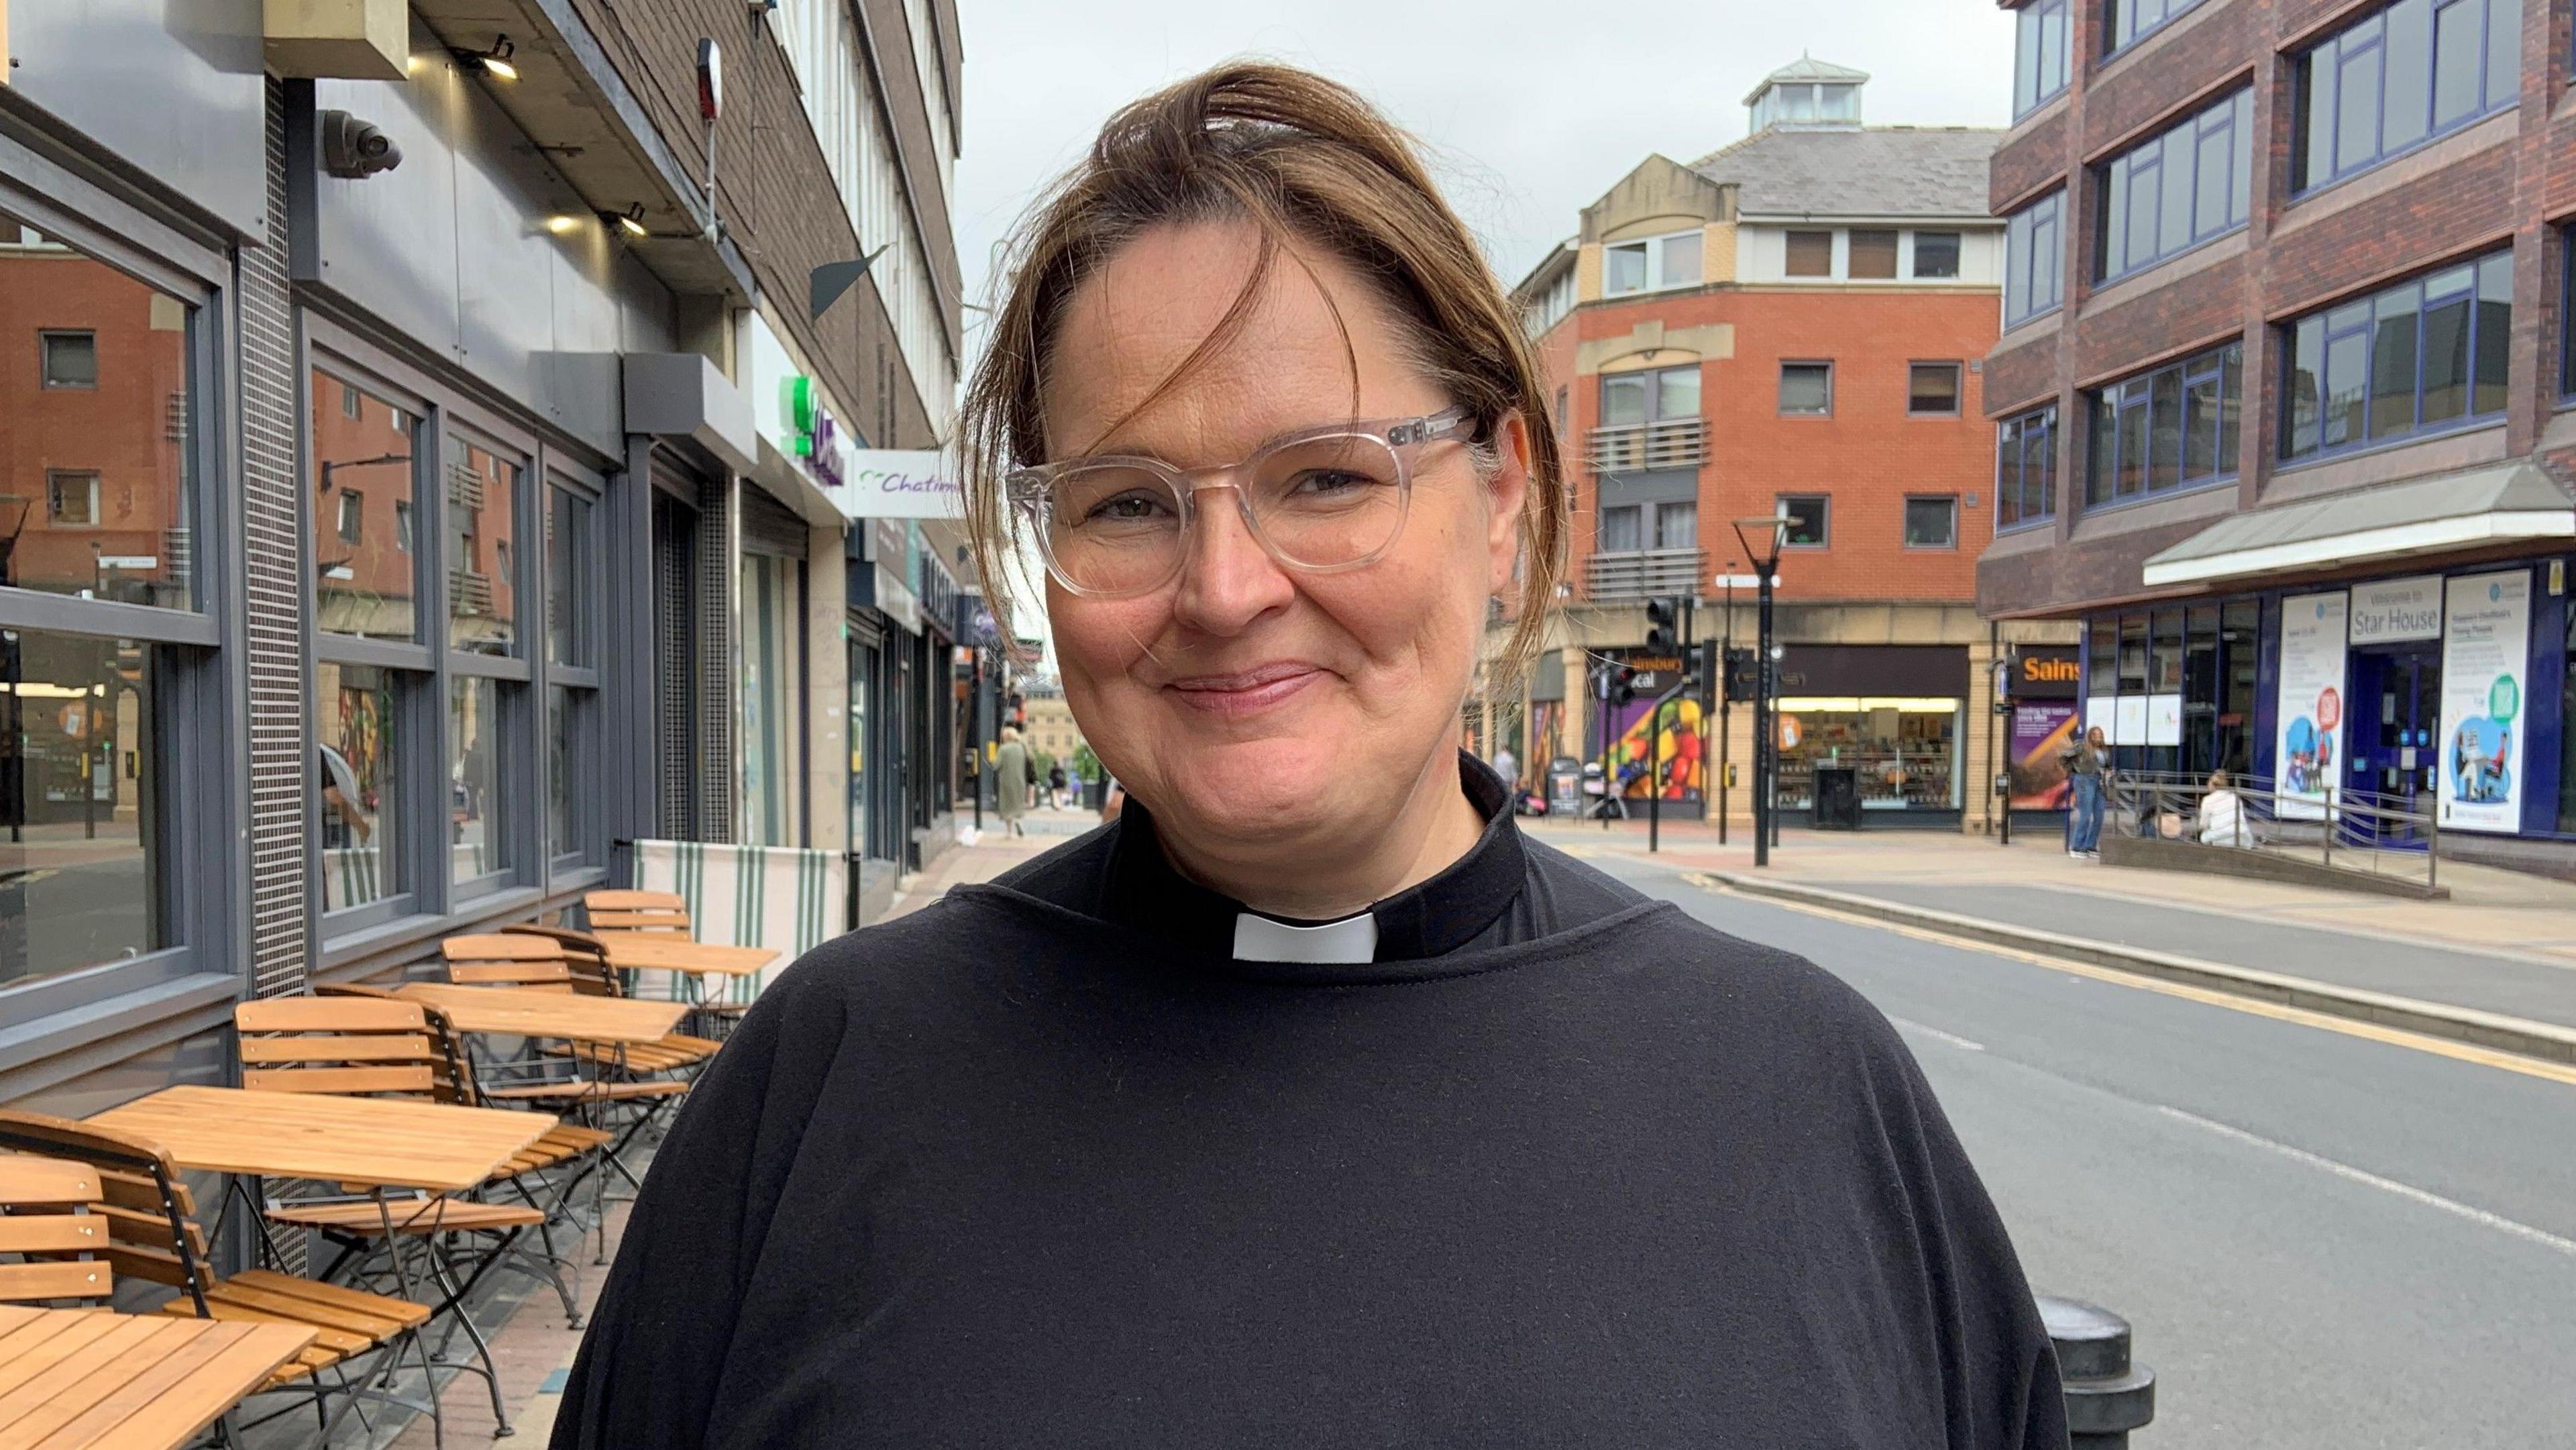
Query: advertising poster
column 2039, row 731
column 2309, row 748
column 2486, row 646
column 1680, row 733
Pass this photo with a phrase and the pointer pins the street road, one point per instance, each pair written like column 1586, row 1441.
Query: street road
column 2322, row 1239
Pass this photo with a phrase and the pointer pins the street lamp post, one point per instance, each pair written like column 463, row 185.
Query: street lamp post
column 1766, row 744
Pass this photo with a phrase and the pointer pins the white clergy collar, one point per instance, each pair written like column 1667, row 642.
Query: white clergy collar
column 1257, row 938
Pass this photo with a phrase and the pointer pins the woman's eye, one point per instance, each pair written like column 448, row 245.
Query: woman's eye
column 1127, row 508
column 1329, row 481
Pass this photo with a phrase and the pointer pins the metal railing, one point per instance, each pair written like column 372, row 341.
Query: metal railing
column 1643, row 574
column 2351, row 830
column 1634, row 447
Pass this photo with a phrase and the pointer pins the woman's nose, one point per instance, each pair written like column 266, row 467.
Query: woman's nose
column 1227, row 579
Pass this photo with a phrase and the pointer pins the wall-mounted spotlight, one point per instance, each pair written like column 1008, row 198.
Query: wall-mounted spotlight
column 629, row 221
column 495, row 62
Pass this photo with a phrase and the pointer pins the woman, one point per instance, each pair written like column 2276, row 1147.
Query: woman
column 2086, row 762
column 1056, row 787
column 1308, row 1104
column 1012, row 769
column 2222, row 814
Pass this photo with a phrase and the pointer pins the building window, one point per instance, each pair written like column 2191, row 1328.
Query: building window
column 1811, row 254
column 1795, row 104
column 2416, row 70
column 2179, row 189
column 1932, row 388
column 349, row 404
column 1677, row 526
column 2034, row 259
column 71, row 498
column 2415, row 358
column 482, row 518
column 1932, row 523
column 358, row 733
column 1936, row 255
column 1807, row 389
column 1622, row 529
column 364, row 587
column 2040, row 54
column 2026, row 468
column 70, row 358
column 2169, row 429
column 85, row 805
column 2133, row 19
column 1651, row 265
column 1873, row 254
column 1659, row 396
column 573, row 552
column 353, row 515
column 1807, row 514
column 402, row 525
column 478, row 834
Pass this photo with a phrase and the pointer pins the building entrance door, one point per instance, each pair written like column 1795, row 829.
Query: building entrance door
column 2394, row 761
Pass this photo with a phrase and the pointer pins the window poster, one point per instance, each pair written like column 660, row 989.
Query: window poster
column 2486, row 650
column 2309, row 748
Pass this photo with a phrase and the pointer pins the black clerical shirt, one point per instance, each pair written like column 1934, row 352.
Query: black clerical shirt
column 1043, row 1165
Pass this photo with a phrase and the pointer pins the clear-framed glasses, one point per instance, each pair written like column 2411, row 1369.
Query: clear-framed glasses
column 1320, row 499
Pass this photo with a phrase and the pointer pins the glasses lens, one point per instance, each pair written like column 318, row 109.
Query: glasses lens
column 1112, row 528
column 1327, row 501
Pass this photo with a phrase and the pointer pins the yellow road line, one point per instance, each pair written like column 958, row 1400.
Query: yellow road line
column 2323, row 1021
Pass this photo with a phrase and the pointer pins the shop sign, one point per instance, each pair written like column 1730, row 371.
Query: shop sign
column 809, row 430
column 2486, row 648
column 902, row 483
column 2046, row 672
column 2394, row 610
column 2309, row 746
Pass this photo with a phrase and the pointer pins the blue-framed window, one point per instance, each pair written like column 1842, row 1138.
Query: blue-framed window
column 2178, row 189
column 2040, row 54
column 2026, row 468
column 2567, row 332
column 2035, row 259
column 2416, row 70
column 2136, row 19
column 2419, row 357
column 2166, row 430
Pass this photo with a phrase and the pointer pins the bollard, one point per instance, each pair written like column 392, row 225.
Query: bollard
column 2106, row 1396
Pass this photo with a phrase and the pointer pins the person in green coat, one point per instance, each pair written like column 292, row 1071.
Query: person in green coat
column 1011, row 773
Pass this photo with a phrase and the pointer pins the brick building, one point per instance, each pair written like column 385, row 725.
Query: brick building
column 1793, row 323
column 2281, row 394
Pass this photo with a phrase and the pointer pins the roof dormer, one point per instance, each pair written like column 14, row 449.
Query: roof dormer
column 1808, row 94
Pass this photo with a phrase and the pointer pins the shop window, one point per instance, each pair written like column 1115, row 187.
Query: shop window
column 2406, row 74
column 2173, row 428
column 1932, row 523
column 482, row 517
column 2178, row 189
column 1873, row 254
column 70, row 359
column 573, row 552
column 2034, row 259
column 1651, row 265
column 358, row 730
column 1622, row 529
column 1904, row 750
column 82, row 800
column 2421, row 357
column 2132, row 20
column 1808, row 515
column 479, row 840
column 1932, row 388
column 1810, row 254
column 1807, row 389
column 364, row 587
column 2041, row 54
column 2026, row 468
column 72, row 498
column 1936, row 255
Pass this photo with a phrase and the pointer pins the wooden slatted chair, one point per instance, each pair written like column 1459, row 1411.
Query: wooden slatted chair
column 153, row 1235
column 53, row 1249
column 651, row 913
column 586, row 972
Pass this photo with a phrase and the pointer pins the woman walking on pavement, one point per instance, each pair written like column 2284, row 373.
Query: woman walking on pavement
column 1307, row 1103
column 1011, row 771
column 2087, row 763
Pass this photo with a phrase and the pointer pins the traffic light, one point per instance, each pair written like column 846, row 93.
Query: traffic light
column 1704, row 665
column 1660, row 614
column 1739, row 674
column 1623, row 685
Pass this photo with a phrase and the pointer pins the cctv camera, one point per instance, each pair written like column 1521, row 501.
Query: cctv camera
column 356, row 149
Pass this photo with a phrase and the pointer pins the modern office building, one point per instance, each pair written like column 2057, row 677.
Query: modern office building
column 418, row 480
column 1793, row 323
column 2282, row 392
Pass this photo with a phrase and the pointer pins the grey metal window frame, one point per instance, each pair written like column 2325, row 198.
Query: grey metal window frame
column 2114, row 43
column 61, row 1024
column 2014, row 457
column 1827, row 410
column 2032, row 235
column 2225, row 416
column 46, row 337
column 1653, row 381
column 2030, row 38
column 1958, row 388
column 2360, row 317
column 584, row 682
column 2117, row 182
column 1906, row 523
column 1824, row 515
column 2369, row 35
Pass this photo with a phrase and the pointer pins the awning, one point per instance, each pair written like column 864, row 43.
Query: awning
column 2492, row 503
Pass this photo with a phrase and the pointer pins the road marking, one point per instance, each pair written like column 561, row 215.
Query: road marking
column 2514, row 1062
column 1937, row 1035
column 2408, row 1191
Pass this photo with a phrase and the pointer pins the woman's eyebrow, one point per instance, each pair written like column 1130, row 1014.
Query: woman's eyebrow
column 1109, row 448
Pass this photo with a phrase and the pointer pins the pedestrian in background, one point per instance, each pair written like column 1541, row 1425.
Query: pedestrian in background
column 1310, row 1103
column 2087, row 762
column 2222, row 814
column 1055, row 787
column 1507, row 767
column 1011, row 771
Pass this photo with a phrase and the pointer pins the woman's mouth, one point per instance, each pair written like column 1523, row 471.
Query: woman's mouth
column 1247, row 692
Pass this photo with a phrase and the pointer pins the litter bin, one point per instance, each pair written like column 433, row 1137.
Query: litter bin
column 1095, row 793
column 1837, row 798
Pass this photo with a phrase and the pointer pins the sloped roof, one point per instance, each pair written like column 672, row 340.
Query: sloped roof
column 1807, row 68
column 2486, row 504
column 1875, row 171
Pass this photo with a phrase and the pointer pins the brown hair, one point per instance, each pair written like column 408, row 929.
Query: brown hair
column 1309, row 164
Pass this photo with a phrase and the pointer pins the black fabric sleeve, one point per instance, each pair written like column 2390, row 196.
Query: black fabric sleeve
column 654, row 1358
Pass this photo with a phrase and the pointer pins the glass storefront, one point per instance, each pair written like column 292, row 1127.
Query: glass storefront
column 355, row 724
column 79, row 867
column 773, row 696
column 2173, row 688
column 1905, row 749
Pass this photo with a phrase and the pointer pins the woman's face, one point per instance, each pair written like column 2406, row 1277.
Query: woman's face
column 1250, row 705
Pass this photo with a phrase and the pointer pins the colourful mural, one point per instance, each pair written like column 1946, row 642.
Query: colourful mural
column 1682, row 747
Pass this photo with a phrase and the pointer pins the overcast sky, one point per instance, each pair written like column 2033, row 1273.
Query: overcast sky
column 1531, row 109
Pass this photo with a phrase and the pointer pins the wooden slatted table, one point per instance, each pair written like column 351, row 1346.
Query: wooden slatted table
column 526, row 1012
column 390, row 1142
column 636, row 952
column 77, row 1378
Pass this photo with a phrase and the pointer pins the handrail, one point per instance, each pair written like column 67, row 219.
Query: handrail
column 2353, row 830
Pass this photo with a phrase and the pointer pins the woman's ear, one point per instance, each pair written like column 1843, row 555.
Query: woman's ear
column 1506, row 494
